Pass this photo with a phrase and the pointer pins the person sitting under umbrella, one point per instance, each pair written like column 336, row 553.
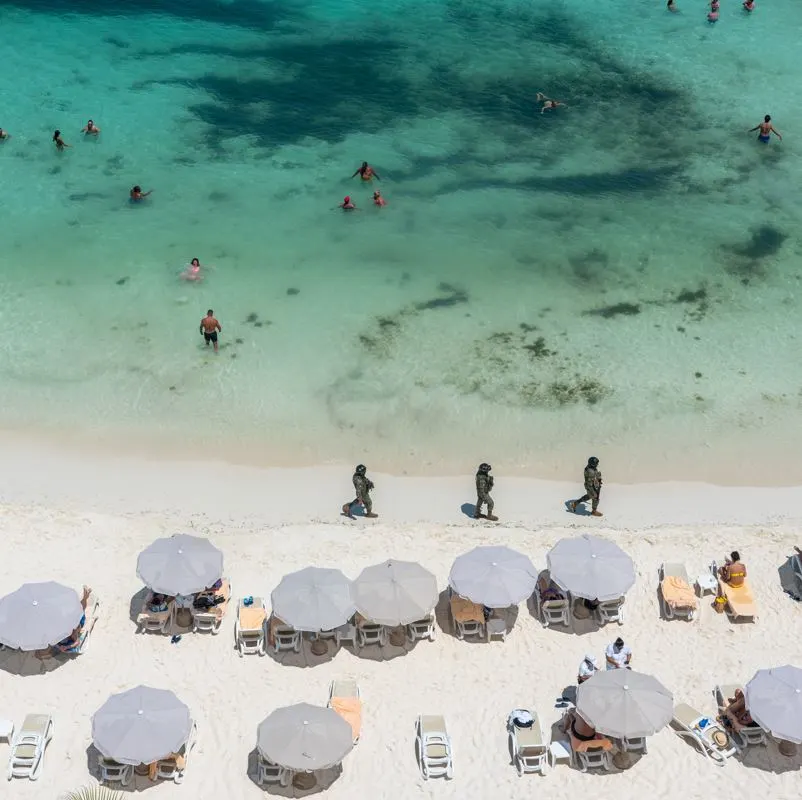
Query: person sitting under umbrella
column 618, row 655
column 575, row 726
column 736, row 715
column 549, row 590
column 74, row 639
column 734, row 570
column 587, row 669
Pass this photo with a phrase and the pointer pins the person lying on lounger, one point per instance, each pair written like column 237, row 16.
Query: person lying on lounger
column 734, row 570
column 549, row 590
column 736, row 715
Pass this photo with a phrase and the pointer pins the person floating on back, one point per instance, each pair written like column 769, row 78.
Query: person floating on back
column 90, row 129
column 766, row 129
column 137, row 194
column 366, row 172
column 484, row 485
column 363, row 486
column 60, row 143
column 209, row 328
column 593, row 484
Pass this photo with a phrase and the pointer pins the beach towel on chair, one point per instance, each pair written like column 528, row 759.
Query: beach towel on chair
column 739, row 599
column 677, row 593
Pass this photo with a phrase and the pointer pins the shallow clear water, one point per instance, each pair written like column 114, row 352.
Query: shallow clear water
column 621, row 275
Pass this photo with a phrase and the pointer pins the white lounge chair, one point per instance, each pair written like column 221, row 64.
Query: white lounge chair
column 112, row 771
column 148, row 621
column 286, row 638
column 345, row 633
column 249, row 627
column 635, row 745
column 671, row 608
column 703, row 731
column 172, row 769
column 529, row 751
column 470, row 628
column 496, row 626
column 610, row 611
column 28, row 747
column 210, row 621
column 552, row 612
column 270, row 773
column 594, row 758
column 747, row 736
column 433, row 747
column 371, row 633
column 346, row 699
column 422, row 629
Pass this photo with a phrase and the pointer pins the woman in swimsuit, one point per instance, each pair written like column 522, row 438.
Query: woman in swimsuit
column 578, row 727
column 90, row 128
column 60, row 143
column 713, row 14
column 734, row 570
column 137, row 194
column 366, row 172
column 347, row 204
column 378, row 200
column 766, row 129
column 193, row 271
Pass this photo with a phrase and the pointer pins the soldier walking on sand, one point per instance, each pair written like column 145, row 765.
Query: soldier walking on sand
column 363, row 486
column 593, row 484
column 484, row 485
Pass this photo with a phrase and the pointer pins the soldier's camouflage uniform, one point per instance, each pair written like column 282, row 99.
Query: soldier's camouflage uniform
column 484, row 485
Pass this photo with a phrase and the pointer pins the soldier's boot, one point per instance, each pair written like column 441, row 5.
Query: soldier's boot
column 492, row 517
column 596, row 514
column 371, row 514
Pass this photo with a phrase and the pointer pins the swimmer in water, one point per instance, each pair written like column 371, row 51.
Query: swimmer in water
column 60, row 143
column 347, row 204
column 670, row 5
column 209, row 328
column 713, row 15
column 193, row 271
column 137, row 194
column 366, row 172
column 90, row 129
column 548, row 103
column 766, row 129
column 749, row 5
column 378, row 200
column 3, row 135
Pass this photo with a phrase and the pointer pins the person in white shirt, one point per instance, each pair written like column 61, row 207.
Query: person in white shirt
column 587, row 668
column 618, row 655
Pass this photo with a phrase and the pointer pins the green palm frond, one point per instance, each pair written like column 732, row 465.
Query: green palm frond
column 93, row 793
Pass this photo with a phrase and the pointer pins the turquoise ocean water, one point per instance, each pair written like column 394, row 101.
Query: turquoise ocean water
column 620, row 276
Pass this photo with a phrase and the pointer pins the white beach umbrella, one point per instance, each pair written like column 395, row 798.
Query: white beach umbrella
column 395, row 592
column 313, row 599
column 774, row 700
column 496, row 577
column 38, row 615
column 305, row 737
column 180, row 564
column 590, row 567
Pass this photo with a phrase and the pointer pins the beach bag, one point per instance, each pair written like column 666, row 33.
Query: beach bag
column 719, row 603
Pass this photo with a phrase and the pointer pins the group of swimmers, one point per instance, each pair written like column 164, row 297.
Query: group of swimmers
column 366, row 173
column 712, row 15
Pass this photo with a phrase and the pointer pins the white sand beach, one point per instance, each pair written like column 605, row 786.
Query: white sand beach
column 83, row 518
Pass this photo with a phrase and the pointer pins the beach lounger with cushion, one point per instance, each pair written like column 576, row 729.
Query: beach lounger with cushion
column 345, row 699
column 172, row 769
column 433, row 747
column 677, row 597
column 749, row 735
column 422, row 629
column 552, row 612
column 371, row 633
column 468, row 617
column 112, row 771
column 708, row 734
column 345, row 633
column 610, row 611
column 270, row 773
column 740, row 601
column 211, row 620
column 591, row 754
column 28, row 747
column 249, row 627
column 148, row 621
column 529, row 750
column 284, row 637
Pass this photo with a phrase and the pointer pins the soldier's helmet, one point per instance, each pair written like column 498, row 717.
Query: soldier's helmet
column 361, row 469
column 593, row 462
column 484, row 467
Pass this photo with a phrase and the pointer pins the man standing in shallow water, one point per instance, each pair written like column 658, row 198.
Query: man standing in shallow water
column 766, row 129
column 209, row 328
